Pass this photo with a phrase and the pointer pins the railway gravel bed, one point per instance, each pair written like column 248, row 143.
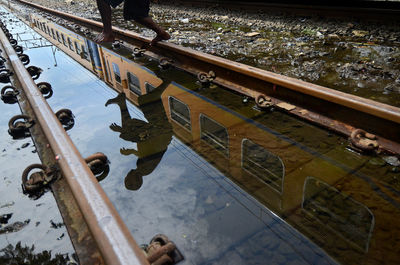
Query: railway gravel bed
column 357, row 57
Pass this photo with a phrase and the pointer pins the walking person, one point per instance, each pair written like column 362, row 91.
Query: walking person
column 137, row 10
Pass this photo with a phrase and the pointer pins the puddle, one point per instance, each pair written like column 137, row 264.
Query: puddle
column 227, row 183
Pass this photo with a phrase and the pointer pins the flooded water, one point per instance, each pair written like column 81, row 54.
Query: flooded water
column 229, row 184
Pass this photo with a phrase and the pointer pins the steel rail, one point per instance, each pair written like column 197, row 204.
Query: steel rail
column 113, row 238
column 326, row 107
column 384, row 10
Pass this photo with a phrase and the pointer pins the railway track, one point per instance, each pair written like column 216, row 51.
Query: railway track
column 337, row 111
column 343, row 113
column 376, row 10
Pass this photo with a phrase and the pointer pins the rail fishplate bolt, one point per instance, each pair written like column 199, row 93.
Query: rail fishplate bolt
column 363, row 141
column 137, row 52
column 24, row 59
column 5, row 75
column 13, row 42
column 9, row 94
column 263, row 101
column 18, row 49
column 46, row 89
column 99, row 165
column 165, row 63
column 66, row 118
column 162, row 251
column 20, row 129
column 206, row 78
column 37, row 180
column 34, row 71
column 2, row 60
column 116, row 44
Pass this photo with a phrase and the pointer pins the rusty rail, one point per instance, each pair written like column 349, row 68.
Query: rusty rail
column 376, row 10
column 113, row 238
column 338, row 111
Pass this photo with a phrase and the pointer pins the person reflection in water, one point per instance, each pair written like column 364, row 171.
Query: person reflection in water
column 152, row 137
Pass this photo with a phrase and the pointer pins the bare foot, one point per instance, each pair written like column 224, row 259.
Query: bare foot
column 160, row 36
column 104, row 37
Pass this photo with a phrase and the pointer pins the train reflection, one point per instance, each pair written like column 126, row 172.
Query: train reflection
column 330, row 195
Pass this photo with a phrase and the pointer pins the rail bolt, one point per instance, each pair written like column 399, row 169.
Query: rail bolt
column 13, row 42
column 99, row 165
column 66, row 118
column 5, row 75
column 9, row 35
column 116, row 44
column 37, row 180
column 138, row 52
column 20, row 129
column 46, row 89
column 365, row 142
column 165, row 63
column 206, row 78
column 263, row 101
column 24, row 59
column 9, row 94
column 162, row 251
column 34, row 71
column 18, row 49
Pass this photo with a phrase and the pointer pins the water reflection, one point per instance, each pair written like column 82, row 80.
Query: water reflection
column 340, row 214
column 152, row 137
column 274, row 167
column 27, row 255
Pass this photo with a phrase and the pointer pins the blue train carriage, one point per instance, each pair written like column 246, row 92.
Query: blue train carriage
column 80, row 49
column 126, row 76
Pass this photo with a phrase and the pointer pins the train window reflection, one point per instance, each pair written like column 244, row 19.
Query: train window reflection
column 149, row 88
column 134, row 84
column 108, row 71
column 70, row 45
column 84, row 53
column 263, row 164
column 63, row 40
column 342, row 214
column 180, row 113
column 214, row 134
column 77, row 48
column 117, row 74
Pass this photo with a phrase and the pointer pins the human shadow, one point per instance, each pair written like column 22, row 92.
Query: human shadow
column 152, row 138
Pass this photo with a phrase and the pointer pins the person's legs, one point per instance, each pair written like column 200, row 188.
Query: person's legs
column 105, row 12
column 149, row 23
column 138, row 10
